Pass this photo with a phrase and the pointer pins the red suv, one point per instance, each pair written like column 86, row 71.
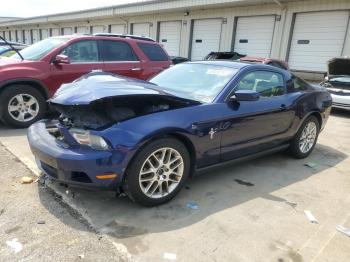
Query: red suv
column 26, row 84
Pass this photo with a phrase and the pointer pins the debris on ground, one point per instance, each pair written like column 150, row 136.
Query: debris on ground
column 343, row 230
column 291, row 204
column 310, row 216
column 310, row 164
column 15, row 245
column 192, row 205
column 244, row 183
column 169, row 256
column 187, row 187
column 81, row 256
column 27, row 180
column 41, row 222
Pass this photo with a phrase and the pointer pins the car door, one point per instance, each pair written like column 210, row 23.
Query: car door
column 252, row 126
column 119, row 58
column 83, row 56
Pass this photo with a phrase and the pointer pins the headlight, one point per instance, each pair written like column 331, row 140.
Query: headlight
column 84, row 137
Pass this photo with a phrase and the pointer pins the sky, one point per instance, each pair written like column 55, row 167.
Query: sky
column 28, row 8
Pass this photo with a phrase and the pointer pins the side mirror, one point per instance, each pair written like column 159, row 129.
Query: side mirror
column 245, row 95
column 61, row 59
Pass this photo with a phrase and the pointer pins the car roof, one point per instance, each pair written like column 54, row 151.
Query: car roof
column 108, row 37
column 241, row 65
column 224, row 63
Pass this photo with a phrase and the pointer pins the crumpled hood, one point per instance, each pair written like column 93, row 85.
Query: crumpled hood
column 98, row 85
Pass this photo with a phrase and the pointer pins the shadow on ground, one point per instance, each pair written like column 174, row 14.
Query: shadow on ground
column 213, row 192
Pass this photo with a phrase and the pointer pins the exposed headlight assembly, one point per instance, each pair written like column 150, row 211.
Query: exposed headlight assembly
column 84, row 137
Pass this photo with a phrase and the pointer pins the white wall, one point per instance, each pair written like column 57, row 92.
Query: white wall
column 281, row 36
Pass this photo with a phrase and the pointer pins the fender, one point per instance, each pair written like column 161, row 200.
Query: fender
column 309, row 114
column 42, row 87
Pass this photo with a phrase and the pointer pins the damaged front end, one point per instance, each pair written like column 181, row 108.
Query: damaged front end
column 82, row 147
column 99, row 100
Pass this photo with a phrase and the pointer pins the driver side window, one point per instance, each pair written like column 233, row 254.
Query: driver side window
column 82, row 52
column 266, row 83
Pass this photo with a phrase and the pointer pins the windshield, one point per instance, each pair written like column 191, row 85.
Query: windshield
column 200, row 82
column 40, row 49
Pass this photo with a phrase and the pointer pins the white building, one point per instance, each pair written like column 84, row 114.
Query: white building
column 305, row 33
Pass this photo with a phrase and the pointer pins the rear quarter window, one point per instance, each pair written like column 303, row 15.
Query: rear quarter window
column 296, row 84
column 153, row 51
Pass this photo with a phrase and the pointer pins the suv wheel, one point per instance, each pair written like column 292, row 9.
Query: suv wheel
column 21, row 105
column 158, row 172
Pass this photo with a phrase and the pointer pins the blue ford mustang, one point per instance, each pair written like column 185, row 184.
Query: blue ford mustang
column 146, row 138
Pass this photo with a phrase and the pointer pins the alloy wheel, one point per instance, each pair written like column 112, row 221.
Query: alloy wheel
column 23, row 107
column 161, row 172
column 308, row 137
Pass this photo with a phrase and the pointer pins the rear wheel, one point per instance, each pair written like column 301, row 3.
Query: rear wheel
column 21, row 105
column 305, row 140
column 158, row 172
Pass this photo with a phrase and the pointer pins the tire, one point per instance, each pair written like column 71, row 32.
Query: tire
column 162, row 174
column 297, row 149
column 32, row 108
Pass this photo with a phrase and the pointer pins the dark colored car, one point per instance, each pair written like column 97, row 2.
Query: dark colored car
column 223, row 56
column 148, row 137
column 178, row 59
column 25, row 85
column 337, row 82
column 234, row 56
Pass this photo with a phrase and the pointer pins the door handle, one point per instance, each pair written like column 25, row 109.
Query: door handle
column 136, row 69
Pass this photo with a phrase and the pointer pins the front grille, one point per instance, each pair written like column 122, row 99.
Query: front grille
column 80, row 177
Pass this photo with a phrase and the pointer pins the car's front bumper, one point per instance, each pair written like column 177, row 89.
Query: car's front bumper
column 75, row 164
column 341, row 100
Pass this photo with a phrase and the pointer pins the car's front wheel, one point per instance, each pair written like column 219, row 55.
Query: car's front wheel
column 158, row 172
column 21, row 105
column 305, row 140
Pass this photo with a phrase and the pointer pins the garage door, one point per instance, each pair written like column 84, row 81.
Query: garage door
column 254, row 35
column 317, row 37
column 142, row 29
column 44, row 34
column 20, row 36
column 170, row 36
column 98, row 29
column 206, row 37
column 27, row 37
column 55, row 31
column 13, row 36
column 36, row 35
column 7, row 35
column 67, row 31
column 118, row 29
column 82, row 30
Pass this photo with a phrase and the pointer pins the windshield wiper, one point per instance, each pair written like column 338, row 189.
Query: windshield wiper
column 14, row 49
